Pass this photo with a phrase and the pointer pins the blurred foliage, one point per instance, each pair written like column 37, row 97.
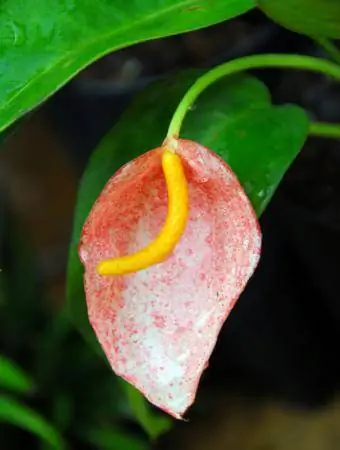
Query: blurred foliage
column 13, row 378
column 16, row 413
column 52, row 384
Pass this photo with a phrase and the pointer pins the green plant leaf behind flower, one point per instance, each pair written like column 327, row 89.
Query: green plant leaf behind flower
column 234, row 117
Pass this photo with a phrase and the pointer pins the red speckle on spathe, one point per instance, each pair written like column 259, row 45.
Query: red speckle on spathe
column 159, row 326
column 158, row 321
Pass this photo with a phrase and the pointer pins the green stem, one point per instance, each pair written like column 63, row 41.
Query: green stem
column 320, row 129
column 330, row 48
column 238, row 65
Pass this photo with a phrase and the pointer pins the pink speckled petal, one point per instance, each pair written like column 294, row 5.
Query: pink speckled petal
column 159, row 326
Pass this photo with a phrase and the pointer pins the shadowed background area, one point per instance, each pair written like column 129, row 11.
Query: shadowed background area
column 273, row 378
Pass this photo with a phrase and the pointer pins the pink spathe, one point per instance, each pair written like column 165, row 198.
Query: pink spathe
column 159, row 326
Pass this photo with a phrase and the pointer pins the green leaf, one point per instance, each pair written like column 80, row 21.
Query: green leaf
column 234, row 117
column 316, row 18
column 259, row 141
column 20, row 415
column 14, row 378
column 44, row 45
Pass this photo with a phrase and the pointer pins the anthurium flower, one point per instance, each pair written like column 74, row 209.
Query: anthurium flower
column 168, row 248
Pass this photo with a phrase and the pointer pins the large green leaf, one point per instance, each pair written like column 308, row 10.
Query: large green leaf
column 234, row 117
column 20, row 415
column 317, row 18
column 43, row 44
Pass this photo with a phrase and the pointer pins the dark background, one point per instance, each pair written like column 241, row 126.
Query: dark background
column 274, row 375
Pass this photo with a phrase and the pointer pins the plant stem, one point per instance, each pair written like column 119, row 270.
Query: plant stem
column 320, row 129
column 238, row 65
column 330, row 48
